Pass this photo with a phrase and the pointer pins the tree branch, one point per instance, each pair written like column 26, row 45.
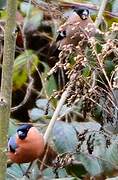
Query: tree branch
column 6, row 82
column 100, row 13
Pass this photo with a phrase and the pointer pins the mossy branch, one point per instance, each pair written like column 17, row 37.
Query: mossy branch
column 6, row 82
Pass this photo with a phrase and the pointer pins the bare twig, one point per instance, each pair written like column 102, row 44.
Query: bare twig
column 93, row 82
column 115, row 83
column 56, row 113
column 100, row 61
column 100, row 13
column 27, row 95
column 44, row 158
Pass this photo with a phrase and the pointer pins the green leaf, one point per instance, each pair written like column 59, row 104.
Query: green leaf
column 36, row 114
column 43, row 110
column 3, row 15
column 100, row 37
column 90, row 56
column 109, row 66
column 20, row 73
column 86, row 71
column 24, row 58
column 64, row 137
column 71, row 59
column 97, row 113
column 98, row 48
column 15, row 171
column 42, row 103
column 49, row 174
column 111, row 156
column 81, row 126
column 76, row 170
column 91, row 164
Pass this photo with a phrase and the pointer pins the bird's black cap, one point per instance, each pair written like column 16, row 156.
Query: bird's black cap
column 61, row 35
column 23, row 130
column 82, row 12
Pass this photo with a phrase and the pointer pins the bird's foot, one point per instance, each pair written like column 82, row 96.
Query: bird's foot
column 27, row 174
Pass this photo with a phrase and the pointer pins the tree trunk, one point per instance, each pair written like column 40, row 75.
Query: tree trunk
column 6, row 83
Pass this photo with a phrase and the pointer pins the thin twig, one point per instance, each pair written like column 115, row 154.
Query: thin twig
column 27, row 95
column 56, row 114
column 93, row 82
column 44, row 158
column 100, row 61
column 100, row 13
column 115, row 79
column 115, row 84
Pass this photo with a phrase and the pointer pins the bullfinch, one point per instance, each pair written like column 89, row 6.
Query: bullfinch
column 26, row 145
column 78, row 26
column 79, row 22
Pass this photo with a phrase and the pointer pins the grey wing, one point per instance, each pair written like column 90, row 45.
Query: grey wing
column 12, row 144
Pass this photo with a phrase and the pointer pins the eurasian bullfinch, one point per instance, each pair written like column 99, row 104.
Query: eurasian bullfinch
column 79, row 22
column 26, row 145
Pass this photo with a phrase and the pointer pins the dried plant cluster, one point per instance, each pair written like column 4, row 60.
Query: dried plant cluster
column 94, row 85
column 89, row 68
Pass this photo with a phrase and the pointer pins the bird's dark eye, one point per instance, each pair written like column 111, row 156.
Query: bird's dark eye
column 83, row 13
